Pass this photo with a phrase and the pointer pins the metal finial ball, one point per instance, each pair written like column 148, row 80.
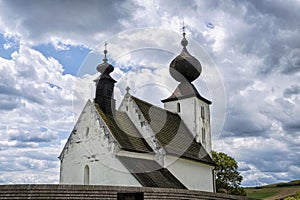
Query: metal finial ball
column 184, row 42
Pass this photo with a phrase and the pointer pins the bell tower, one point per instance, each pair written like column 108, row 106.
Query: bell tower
column 186, row 100
column 105, row 87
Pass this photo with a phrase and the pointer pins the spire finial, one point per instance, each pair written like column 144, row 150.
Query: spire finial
column 127, row 90
column 184, row 42
column 105, row 52
column 105, row 67
column 183, row 29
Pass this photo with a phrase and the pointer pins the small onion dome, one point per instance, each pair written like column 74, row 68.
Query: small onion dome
column 185, row 67
column 105, row 68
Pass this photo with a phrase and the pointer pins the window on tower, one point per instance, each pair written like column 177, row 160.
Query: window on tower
column 203, row 136
column 178, row 107
column 202, row 112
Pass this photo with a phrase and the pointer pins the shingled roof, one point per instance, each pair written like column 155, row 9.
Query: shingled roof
column 185, row 90
column 172, row 133
column 124, row 131
column 150, row 174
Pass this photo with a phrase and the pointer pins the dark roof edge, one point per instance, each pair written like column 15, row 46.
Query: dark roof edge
column 136, row 151
column 186, row 96
column 198, row 160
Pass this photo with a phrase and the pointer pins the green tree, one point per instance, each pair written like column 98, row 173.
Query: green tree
column 228, row 179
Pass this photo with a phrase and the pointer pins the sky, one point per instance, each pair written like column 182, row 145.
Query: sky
column 249, row 51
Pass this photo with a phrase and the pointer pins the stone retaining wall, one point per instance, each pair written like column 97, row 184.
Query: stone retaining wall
column 89, row 192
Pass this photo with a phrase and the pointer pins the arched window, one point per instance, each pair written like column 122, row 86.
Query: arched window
column 86, row 176
column 178, row 107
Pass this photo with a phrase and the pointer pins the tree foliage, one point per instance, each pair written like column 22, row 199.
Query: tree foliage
column 228, row 179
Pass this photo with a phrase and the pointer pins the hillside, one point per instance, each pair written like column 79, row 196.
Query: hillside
column 274, row 191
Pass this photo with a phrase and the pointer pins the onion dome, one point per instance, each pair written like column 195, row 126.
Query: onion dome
column 105, row 68
column 185, row 67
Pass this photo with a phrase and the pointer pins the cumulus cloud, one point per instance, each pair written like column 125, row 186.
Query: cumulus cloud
column 69, row 22
column 293, row 90
column 34, row 116
column 23, row 164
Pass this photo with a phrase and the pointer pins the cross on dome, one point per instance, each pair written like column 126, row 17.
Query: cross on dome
column 184, row 41
column 105, row 52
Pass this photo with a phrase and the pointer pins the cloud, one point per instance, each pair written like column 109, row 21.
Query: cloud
column 290, row 63
column 293, row 90
column 23, row 164
column 67, row 22
column 37, row 136
column 260, row 160
column 34, row 116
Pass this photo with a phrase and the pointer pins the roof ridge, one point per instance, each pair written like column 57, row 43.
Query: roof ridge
column 173, row 113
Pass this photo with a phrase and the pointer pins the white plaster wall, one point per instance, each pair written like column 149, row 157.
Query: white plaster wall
column 190, row 113
column 194, row 175
column 91, row 145
column 204, row 123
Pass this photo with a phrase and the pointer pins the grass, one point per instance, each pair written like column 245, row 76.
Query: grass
column 260, row 193
column 275, row 190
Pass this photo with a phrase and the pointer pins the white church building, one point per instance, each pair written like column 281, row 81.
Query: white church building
column 140, row 144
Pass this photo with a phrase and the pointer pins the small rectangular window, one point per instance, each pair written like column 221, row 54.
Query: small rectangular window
column 87, row 131
column 203, row 136
column 178, row 107
column 126, row 108
column 202, row 112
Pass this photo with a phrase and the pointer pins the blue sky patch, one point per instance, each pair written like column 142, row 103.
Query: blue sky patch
column 7, row 46
column 71, row 58
column 89, row 64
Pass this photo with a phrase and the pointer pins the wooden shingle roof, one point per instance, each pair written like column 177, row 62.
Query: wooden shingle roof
column 185, row 90
column 172, row 133
column 150, row 174
column 124, row 131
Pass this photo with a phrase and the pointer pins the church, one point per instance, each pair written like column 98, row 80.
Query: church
column 140, row 144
